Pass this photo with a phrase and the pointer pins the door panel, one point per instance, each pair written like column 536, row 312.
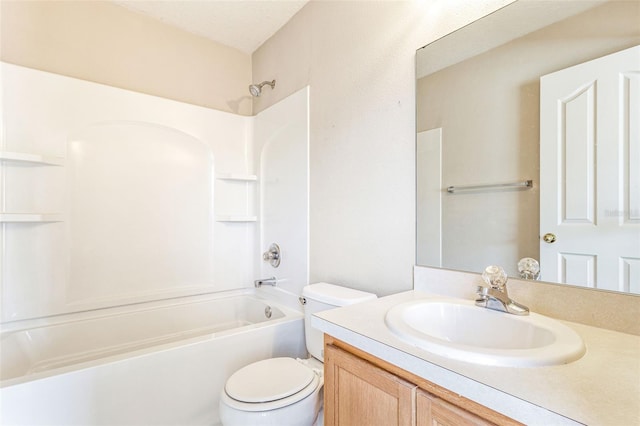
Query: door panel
column 589, row 172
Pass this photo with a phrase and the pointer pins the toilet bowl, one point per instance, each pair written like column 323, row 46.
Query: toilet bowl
column 286, row 391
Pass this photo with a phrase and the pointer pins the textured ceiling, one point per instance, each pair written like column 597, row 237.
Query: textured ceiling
column 243, row 24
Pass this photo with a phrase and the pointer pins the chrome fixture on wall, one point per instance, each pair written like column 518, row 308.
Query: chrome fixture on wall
column 256, row 89
column 521, row 184
column 266, row 281
column 272, row 255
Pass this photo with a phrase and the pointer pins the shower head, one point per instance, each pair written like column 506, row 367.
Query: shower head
column 256, row 89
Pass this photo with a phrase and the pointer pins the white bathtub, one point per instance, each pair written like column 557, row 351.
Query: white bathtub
column 159, row 363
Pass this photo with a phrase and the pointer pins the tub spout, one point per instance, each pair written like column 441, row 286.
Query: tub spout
column 266, row 281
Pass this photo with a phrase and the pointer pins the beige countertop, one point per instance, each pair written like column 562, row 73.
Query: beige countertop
column 601, row 388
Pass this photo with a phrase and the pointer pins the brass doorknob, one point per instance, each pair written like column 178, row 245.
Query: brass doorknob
column 549, row 238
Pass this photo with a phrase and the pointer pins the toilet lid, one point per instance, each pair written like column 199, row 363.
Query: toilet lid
column 269, row 380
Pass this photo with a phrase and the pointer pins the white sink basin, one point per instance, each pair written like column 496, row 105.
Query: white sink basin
column 460, row 330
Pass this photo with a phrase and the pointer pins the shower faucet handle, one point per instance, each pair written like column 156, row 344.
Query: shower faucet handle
column 272, row 255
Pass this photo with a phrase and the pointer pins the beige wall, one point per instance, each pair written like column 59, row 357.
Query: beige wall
column 105, row 43
column 358, row 58
column 488, row 107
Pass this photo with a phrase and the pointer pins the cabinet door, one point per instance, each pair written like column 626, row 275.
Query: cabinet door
column 359, row 393
column 432, row 411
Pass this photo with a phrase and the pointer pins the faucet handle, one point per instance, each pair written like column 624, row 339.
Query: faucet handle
column 272, row 255
column 495, row 277
column 529, row 268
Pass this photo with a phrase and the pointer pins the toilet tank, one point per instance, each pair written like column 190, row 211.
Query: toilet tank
column 321, row 297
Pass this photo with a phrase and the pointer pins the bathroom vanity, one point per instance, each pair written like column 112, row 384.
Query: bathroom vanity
column 385, row 380
column 363, row 389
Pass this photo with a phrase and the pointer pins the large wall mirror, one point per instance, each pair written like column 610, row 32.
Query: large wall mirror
column 528, row 143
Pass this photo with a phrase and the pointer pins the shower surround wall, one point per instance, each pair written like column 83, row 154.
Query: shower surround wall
column 112, row 197
column 282, row 156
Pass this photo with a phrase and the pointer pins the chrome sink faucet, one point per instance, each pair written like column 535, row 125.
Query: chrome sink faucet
column 495, row 296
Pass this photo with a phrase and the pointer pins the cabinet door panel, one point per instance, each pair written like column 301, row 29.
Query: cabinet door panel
column 359, row 393
column 432, row 411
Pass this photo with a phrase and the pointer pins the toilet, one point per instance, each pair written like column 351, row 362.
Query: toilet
column 287, row 391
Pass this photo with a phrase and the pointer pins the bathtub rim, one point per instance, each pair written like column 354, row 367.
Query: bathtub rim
column 20, row 325
column 289, row 315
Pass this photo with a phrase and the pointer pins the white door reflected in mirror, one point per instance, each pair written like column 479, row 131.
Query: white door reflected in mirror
column 590, row 195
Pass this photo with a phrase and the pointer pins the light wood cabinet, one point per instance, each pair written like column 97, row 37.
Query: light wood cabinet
column 359, row 393
column 360, row 389
column 432, row 411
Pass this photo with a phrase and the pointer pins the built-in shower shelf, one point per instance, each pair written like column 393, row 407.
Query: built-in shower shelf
column 237, row 176
column 24, row 157
column 236, row 218
column 30, row 217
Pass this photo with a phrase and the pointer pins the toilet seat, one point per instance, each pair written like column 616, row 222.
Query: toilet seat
column 270, row 384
